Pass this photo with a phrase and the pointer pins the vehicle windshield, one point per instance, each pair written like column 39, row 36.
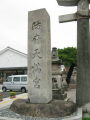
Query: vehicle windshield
column 9, row 79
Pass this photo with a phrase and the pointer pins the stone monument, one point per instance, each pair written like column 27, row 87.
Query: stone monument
column 41, row 104
column 39, row 57
column 56, row 73
column 83, row 46
column 57, row 80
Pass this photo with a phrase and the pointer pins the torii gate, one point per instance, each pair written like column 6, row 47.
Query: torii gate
column 83, row 46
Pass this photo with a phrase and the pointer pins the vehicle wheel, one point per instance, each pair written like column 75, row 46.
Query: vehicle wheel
column 4, row 89
column 23, row 90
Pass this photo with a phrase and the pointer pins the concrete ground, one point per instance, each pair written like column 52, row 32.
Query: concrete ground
column 5, row 104
column 71, row 94
column 7, row 101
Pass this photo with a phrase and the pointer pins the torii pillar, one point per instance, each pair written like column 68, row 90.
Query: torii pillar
column 83, row 46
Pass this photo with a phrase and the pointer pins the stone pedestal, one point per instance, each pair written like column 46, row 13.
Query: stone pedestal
column 58, row 94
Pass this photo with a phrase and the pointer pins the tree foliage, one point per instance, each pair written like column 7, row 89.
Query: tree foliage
column 68, row 55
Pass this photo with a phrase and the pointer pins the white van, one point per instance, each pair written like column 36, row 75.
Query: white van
column 15, row 83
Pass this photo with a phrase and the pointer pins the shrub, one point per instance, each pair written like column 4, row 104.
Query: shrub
column 86, row 119
column 1, row 96
column 12, row 94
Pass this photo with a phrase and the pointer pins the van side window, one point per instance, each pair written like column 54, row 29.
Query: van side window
column 23, row 79
column 9, row 79
column 16, row 79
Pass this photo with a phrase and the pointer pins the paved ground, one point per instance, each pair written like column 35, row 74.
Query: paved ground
column 7, row 94
column 8, row 101
column 71, row 94
column 6, row 114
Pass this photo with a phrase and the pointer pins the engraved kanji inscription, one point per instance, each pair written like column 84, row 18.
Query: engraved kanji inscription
column 35, row 69
column 36, row 81
column 36, row 25
column 36, row 37
column 36, row 53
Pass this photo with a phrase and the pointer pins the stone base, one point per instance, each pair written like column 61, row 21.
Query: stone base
column 65, row 87
column 72, row 86
column 59, row 95
column 54, row 109
column 86, row 110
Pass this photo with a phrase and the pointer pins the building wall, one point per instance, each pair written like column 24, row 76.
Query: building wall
column 11, row 59
column 4, row 73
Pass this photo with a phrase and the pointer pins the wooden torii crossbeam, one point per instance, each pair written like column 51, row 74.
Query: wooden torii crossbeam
column 83, row 46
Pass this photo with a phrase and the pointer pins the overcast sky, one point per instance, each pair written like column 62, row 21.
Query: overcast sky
column 14, row 23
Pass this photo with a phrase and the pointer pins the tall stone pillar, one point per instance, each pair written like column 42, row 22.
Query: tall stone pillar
column 39, row 57
column 83, row 56
column 82, row 17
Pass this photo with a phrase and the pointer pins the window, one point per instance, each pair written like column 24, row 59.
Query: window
column 16, row 79
column 23, row 79
column 9, row 79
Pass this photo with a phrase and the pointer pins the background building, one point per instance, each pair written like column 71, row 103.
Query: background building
column 12, row 62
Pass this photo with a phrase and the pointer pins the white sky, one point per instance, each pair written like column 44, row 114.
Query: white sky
column 14, row 23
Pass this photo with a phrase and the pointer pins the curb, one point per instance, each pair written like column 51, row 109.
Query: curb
column 7, row 101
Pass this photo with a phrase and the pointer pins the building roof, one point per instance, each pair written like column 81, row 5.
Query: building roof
column 13, row 50
column 11, row 58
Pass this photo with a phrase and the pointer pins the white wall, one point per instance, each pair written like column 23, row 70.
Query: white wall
column 12, row 59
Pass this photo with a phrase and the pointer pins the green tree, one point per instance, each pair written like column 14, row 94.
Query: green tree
column 68, row 55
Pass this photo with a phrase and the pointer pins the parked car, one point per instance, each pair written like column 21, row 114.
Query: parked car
column 15, row 83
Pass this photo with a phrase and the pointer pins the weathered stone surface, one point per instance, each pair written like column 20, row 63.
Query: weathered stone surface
column 39, row 57
column 86, row 108
column 83, row 61
column 82, row 12
column 83, row 8
column 57, row 108
column 68, row 2
column 67, row 18
column 83, row 49
column 83, row 69
column 59, row 94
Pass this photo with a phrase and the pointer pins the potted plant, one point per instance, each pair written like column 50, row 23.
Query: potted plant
column 12, row 94
column 1, row 97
